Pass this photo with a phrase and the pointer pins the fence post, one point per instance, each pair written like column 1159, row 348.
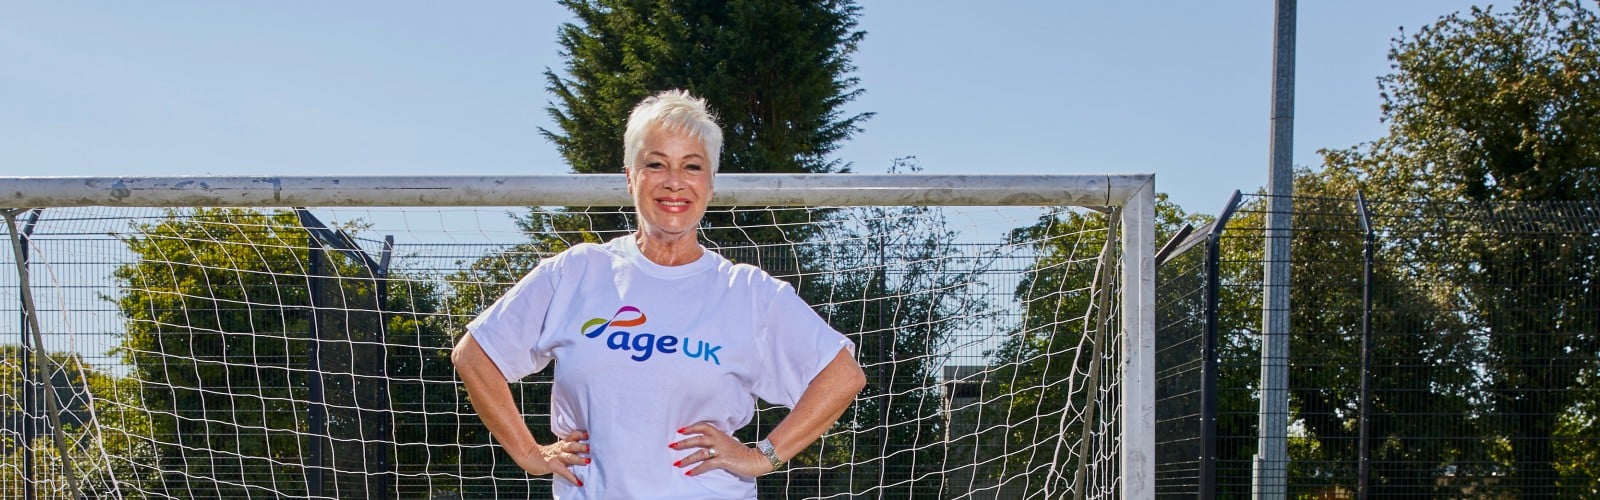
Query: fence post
column 318, row 419
column 25, row 421
column 1208, row 351
column 1363, row 453
column 31, row 316
column 323, row 240
column 380, row 284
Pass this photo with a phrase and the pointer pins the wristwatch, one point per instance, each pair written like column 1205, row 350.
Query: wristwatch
column 766, row 448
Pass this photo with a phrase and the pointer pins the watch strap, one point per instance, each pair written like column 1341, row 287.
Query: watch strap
column 771, row 452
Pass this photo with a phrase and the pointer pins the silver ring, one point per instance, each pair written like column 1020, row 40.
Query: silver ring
column 712, row 452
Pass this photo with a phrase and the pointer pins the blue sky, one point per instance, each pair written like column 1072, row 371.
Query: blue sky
column 1178, row 88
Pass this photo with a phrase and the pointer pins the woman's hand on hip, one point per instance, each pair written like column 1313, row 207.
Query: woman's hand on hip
column 714, row 449
column 557, row 458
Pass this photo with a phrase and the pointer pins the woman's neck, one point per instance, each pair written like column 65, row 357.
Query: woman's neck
column 675, row 250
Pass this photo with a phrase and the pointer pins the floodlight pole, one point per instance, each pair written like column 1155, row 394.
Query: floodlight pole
column 1270, row 467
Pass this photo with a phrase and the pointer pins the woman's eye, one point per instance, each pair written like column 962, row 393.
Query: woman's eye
column 653, row 165
column 692, row 167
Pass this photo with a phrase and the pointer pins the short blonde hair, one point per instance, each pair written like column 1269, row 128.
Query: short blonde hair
column 676, row 110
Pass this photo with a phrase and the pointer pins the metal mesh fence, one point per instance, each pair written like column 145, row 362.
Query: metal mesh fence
column 1180, row 337
column 1480, row 353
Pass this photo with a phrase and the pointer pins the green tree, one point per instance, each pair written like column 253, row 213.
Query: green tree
column 209, row 290
column 1575, row 433
column 1500, row 107
column 1053, row 345
column 776, row 72
column 424, row 394
column 218, row 329
column 101, row 420
column 1419, row 346
column 895, row 277
column 471, row 290
column 1490, row 107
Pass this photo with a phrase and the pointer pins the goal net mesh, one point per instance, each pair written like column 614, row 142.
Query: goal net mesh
column 238, row 353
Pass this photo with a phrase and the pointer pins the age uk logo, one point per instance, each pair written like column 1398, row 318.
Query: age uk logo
column 645, row 344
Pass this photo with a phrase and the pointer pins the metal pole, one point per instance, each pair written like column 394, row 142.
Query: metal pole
column 26, row 423
column 1102, row 327
column 385, row 418
column 31, row 315
column 1272, row 456
column 1095, row 190
column 1138, row 366
column 1363, row 464
column 877, row 290
column 318, row 419
column 367, row 358
column 1208, row 353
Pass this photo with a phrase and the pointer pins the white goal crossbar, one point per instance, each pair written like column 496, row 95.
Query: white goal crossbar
column 568, row 190
column 1134, row 194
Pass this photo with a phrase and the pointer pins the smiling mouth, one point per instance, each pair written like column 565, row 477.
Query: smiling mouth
column 673, row 205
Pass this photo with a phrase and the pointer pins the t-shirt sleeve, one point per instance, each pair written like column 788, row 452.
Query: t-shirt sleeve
column 796, row 344
column 510, row 329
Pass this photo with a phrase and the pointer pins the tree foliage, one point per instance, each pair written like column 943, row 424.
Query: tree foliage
column 207, row 289
column 101, row 420
column 1489, row 106
column 775, row 72
column 471, row 290
column 1042, row 368
column 1492, row 106
column 218, row 311
column 895, row 277
column 1420, row 346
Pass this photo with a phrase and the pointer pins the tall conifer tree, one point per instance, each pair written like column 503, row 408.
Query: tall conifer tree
column 775, row 72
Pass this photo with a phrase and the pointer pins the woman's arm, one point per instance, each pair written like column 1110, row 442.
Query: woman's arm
column 819, row 407
column 822, row 403
column 491, row 398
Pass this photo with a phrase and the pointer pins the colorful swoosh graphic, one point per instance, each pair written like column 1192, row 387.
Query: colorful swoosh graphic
column 605, row 323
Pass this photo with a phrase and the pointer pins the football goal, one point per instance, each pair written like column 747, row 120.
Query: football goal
column 240, row 337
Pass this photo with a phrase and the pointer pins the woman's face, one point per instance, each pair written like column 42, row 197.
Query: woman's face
column 671, row 184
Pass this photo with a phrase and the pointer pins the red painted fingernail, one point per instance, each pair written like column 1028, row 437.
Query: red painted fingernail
column 678, row 463
column 682, row 429
column 586, row 461
column 580, row 482
column 690, row 473
column 672, row 445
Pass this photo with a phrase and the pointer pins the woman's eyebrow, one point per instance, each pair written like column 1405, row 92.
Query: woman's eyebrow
column 664, row 155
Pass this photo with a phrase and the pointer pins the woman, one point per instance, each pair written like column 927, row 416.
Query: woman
column 663, row 346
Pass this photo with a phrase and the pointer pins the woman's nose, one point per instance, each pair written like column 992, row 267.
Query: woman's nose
column 675, row 179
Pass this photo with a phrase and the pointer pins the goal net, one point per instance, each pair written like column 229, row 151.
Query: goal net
column 205, row 338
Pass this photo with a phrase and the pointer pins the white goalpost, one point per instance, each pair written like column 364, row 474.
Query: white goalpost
column 179, row 337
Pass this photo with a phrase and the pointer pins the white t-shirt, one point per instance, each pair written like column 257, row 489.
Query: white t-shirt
column 646, row 349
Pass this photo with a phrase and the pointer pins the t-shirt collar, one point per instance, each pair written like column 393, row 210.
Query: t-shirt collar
column 629, row 248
